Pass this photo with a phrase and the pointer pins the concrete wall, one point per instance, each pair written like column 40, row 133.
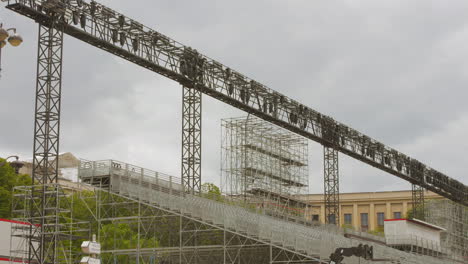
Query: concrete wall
column 409, row 232
column 5, row 229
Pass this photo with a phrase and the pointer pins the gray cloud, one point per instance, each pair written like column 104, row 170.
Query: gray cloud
column 395, row 70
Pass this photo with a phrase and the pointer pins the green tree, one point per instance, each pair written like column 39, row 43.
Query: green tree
column 8, row 180
column 211, row 191
column 418, row 213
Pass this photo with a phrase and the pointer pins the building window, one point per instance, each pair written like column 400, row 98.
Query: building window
column 380, row 219
column 364, row 221
column 315, row 217
column 348, row 219
column 397, row 215
column 332, row 219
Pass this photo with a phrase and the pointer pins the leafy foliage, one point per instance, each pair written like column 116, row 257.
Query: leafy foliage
column 211, row 191
column 9, row 180
column 418, row 214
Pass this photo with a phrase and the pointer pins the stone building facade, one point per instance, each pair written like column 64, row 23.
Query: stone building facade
column 365, row 211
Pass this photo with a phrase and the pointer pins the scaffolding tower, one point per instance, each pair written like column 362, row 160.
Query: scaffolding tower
column 264, row 165
column 454, row 218
column 59, row 233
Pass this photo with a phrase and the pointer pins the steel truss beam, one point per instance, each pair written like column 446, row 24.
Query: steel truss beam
column 191, row 140
column 109, row 30
column 418, row 209
column 332, row 186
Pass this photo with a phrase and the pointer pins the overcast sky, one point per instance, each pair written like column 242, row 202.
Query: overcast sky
column 396, row 70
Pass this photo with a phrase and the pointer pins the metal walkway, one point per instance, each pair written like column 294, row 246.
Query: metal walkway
column 166, row 192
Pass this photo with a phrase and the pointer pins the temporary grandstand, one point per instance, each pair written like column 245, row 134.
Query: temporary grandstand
column 142, row 216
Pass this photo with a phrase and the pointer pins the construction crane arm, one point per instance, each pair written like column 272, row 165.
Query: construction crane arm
column 109, row 30
column 364, row 251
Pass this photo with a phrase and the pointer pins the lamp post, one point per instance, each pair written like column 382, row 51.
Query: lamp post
column 17, row 165
column 15, row 40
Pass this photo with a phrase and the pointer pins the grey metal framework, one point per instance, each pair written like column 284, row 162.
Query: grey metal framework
column 193, row 229
column 417, row 193
column 109, row 30
column 191, row 140
column 143, row 216
column 453, row 217
column 331, row 186
column 173, row 227
column 264, row 165
column 45, row 238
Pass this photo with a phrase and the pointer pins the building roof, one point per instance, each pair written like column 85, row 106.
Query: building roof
column 368, row 196
column 418, row 222
column 14, row 221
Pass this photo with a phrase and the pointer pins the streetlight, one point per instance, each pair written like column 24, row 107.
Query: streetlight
column 15, row 40
column 17, row 165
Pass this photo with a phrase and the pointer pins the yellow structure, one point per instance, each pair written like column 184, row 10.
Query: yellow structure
column 365, row 211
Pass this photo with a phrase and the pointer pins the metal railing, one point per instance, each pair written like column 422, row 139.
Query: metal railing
column 416, row 242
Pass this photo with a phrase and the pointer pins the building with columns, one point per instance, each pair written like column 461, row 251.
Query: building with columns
column 365, row 211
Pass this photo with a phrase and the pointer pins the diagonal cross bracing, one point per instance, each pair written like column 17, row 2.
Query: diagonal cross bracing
column 191, row 140
column 331, row 186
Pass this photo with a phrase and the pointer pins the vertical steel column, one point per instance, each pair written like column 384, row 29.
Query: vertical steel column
column 191, row 140
column 331, row 188
column 47, row 112
column 418, row 201
column 43, row 232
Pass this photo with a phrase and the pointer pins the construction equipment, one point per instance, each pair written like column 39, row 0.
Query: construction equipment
column 362, row 251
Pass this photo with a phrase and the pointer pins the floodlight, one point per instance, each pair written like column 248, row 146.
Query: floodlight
column 15, row 40
column 3, row 43
column 121, row 21
column 135, row 44
column 76, row 17
column 123, row 38
column 115, row 35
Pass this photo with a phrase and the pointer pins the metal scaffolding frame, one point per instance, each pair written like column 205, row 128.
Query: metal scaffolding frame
column 454, row 218
column 51, row 236
column 192, row 229
column 264, row 165
column 144, row 216
column 331, row 186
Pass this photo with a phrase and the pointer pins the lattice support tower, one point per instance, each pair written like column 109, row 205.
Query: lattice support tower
column 417, row 194
column 43, row 242
column 47, row 112
column 331, row 186
column 191, row 140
